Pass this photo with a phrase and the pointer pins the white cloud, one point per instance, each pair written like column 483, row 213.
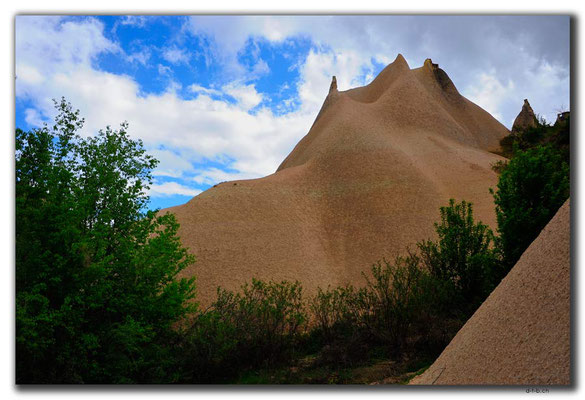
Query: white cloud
column 545, row 86
column 29, row 75
column 190, row 130
column 174, row 55
column 490, row 93
column 318, row 69
column 142, row 56
column 195, row 88
column 246, row 95
column 164, row 70
column 33, row 117
column 215, row 175
column 45, row 46
column 171, row 188
column 134, row 20
column 54, row 58
column 170, row 163
column 519, row 48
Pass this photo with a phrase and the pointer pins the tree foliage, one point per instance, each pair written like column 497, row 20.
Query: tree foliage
column 96, row 287
column 530, row 190
column 463, row 254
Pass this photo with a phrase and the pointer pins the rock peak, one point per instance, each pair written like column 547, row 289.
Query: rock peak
column 429, row 63
column 400, row 60
column 526, row 119
column 333, row 87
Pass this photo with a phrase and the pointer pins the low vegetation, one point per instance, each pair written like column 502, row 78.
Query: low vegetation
column 98, row 298
column 260, row 327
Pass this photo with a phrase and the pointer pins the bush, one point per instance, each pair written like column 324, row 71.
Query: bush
column 499, row 166
column 529, row 192
column 401, row 305
column 407, row 303
column 96, row 288
column 262, row 326
column 268, row 317
column 338, row 325
column 336, row 312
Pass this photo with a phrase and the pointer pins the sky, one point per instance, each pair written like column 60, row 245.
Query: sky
column 217, row 98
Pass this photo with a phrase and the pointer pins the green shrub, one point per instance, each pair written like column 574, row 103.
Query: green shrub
column 529, row 192
column 259, row 327
column 402, row 305
column 463, row 255
column 268, row 317
column 336, row 312
column 499, row 166
column 405, row 302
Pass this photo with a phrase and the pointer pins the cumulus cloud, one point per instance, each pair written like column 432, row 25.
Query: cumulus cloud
column 246, row 95
column 496, row 63
column 466, row 47
column 193, row 130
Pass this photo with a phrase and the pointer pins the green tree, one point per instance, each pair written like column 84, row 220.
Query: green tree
column 463, row 255
column 97, row 299
column 530, row 190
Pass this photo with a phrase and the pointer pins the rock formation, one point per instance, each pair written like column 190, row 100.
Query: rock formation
column 562, row 117
column 364, row 183
column 526, row 119
column 521, row 334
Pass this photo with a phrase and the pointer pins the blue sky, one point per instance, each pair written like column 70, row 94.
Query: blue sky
column 218, row 98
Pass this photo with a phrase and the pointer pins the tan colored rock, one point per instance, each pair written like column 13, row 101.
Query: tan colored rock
column 562, row 117
column 333, row 86
column 521, row 334
column 526, row 119
column 365, row 182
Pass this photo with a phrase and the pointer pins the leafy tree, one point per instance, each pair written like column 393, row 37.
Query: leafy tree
column 97, row 298
column 530, row 190
column 463, row 255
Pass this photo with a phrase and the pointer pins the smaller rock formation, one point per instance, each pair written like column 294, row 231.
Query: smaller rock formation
column 429, row 63
column 333, row 87
column 332, row 96
column 526, row 119
column 562, row 117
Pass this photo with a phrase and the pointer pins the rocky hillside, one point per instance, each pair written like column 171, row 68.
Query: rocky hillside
column 365, row 182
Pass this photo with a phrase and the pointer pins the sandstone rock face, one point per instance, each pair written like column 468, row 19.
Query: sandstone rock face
column 526, row 119
column 562, row 117
column 364, row 183
column 521, row 334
